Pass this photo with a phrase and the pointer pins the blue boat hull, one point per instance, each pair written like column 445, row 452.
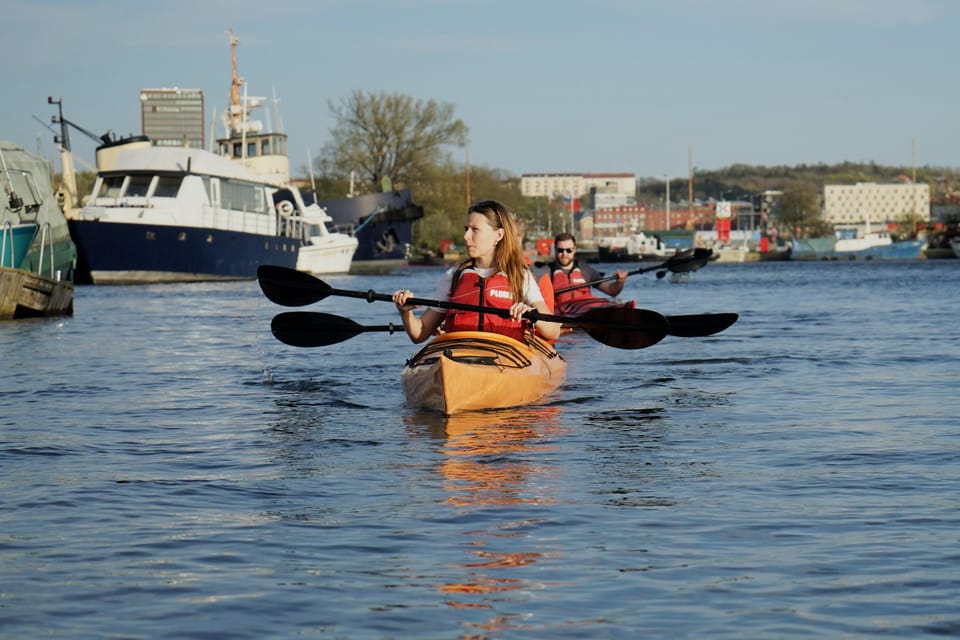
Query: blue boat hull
column 14, row 244
column 382, row 223
column 824, row 249
column 902, row 250
column 120, row 253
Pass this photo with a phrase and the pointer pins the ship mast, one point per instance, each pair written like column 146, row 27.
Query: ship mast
column 236, row 108
column 262, row 151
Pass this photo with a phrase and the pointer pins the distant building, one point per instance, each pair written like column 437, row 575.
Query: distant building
column 173, row 117
column 577, row 185
column 878, row 204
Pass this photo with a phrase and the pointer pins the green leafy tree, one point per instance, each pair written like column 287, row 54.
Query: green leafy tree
column 800, row 212
column 442, row 191
column 389, row 135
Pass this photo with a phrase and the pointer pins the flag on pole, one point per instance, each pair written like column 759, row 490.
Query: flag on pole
column 570, row 203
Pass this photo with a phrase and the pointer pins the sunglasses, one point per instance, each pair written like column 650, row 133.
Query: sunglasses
column 565, row 249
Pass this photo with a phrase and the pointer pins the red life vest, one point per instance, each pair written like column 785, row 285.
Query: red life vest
column 562, row 279
column 488, row 292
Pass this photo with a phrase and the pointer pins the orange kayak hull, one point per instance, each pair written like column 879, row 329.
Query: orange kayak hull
column 474, row 370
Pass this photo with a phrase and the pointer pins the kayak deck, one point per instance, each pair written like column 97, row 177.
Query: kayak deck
column 475, row 370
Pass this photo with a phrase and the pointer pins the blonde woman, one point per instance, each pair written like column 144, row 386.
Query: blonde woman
column 494, row 275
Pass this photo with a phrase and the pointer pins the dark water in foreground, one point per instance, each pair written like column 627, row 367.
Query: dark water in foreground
column 169, row 470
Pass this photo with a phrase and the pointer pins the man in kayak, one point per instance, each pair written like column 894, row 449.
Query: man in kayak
column 566, row 271
column 494, row 275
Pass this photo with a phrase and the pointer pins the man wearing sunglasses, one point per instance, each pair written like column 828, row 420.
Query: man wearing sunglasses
column 566, row 271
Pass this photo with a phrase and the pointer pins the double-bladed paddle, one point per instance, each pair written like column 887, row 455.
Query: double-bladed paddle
column 682, row 261
column 618, row 327
column 312, row 329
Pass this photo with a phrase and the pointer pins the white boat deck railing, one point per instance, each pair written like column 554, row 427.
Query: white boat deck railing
column 46, row 240
column 7, row 226
column 261, row 223
column 47, row 234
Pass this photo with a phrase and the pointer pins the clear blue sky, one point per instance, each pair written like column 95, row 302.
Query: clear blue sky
column 544, row 86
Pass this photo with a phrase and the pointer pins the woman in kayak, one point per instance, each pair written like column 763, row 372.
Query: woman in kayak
column 494, row 275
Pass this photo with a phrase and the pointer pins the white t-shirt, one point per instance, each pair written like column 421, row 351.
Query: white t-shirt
column 531, row 291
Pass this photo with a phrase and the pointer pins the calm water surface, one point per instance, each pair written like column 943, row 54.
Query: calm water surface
column 169, row 470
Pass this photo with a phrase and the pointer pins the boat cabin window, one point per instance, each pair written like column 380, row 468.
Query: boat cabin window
column 237, row 149
column 138, row 186
column 167, row 186
column 265, row 147
column 110, row 187
column 241, row 196
column 251, row 149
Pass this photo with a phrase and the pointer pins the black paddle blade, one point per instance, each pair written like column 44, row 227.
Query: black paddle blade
column 699, row 325
column 697, row 259
column 289, row 287
column 624, row 328
column 310, row 329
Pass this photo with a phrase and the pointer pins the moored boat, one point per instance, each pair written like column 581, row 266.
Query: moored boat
column 37, row 255
column 637, row 247
column 473, row 370
column 162, row 214
column 878, row 245
column 818, row 248
column 176, row 214
column 382, row 224
column 870, row 245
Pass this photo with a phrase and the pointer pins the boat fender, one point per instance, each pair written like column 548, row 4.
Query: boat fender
column 285, row 207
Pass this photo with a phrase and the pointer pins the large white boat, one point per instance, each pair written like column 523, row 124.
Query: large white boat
column 174, row 214
column 634, row 247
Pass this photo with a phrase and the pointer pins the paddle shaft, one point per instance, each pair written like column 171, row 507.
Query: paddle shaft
column 533, row 315
column 699, row 325
column 606, row 279
column 312, row 329
column 689, row 255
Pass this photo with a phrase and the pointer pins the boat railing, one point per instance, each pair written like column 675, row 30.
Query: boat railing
column 46, row 239
column 3, row 245
column 284, row 226
column 46, row 243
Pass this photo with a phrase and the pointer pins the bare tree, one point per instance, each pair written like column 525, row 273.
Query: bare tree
column 392, row 136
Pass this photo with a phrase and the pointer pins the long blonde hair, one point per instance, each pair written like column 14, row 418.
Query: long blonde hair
column 508, row 255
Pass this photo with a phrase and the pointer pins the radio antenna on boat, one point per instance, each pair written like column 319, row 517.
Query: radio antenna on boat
column 276, row 112
column 313, row 183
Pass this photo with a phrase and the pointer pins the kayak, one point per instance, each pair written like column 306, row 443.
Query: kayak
column 474, row 370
